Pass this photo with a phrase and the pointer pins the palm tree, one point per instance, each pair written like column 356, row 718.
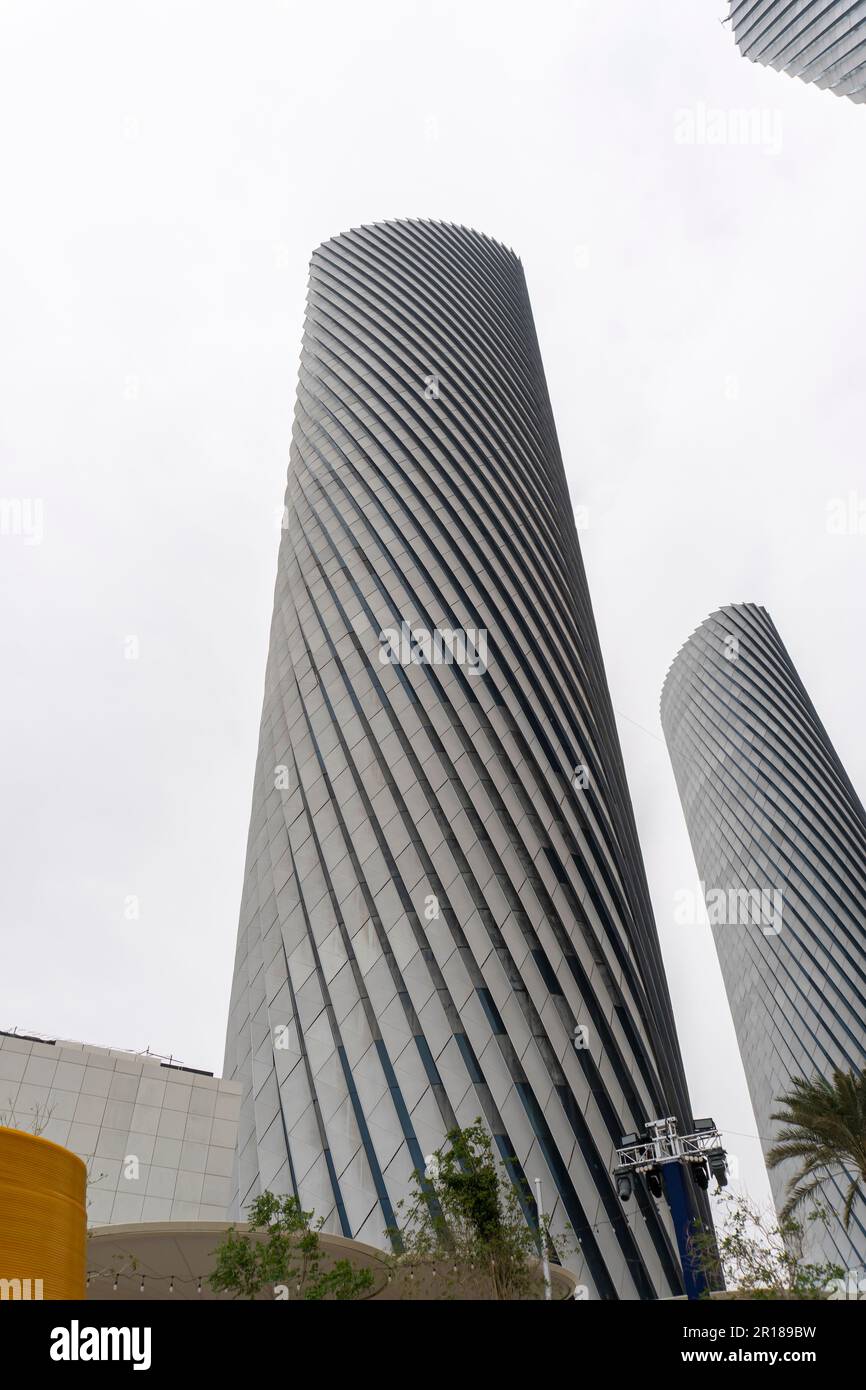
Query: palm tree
column 825, row 1129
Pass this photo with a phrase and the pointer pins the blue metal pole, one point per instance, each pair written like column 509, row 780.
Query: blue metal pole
column 675, row 1186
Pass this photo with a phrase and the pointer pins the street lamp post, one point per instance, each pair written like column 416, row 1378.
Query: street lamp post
column 545, row 1259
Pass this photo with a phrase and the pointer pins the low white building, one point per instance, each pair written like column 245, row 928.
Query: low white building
column 158, row 1138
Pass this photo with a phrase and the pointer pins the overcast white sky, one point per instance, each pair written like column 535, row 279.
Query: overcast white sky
column 166, row 169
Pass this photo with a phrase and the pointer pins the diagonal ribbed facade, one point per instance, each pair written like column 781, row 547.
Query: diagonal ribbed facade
column 771, row 813
column 819, row 41
column 443, row 882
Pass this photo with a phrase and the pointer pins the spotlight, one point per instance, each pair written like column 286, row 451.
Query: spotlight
column 701, row 1175
column 654, row 1182
column 718, row 1166
column 624, row 1187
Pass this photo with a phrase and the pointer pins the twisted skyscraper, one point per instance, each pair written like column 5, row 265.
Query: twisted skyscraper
column 779, row 837
column 445, row 914
column 820, row 41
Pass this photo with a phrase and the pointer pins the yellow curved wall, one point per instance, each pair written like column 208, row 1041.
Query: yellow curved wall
column 43, row 1218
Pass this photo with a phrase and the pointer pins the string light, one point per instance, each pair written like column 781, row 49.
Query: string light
column 170, row 1279
column 154, row 1279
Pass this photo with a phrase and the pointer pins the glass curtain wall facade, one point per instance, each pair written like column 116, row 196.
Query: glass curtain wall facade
column 779, row 838
column 815, row 40
column 445, row 914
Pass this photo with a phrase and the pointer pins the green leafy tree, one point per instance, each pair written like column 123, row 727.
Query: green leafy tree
column 825, row 1133
column 282, row 1247
column 463, row 1229
column 760, row 1256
